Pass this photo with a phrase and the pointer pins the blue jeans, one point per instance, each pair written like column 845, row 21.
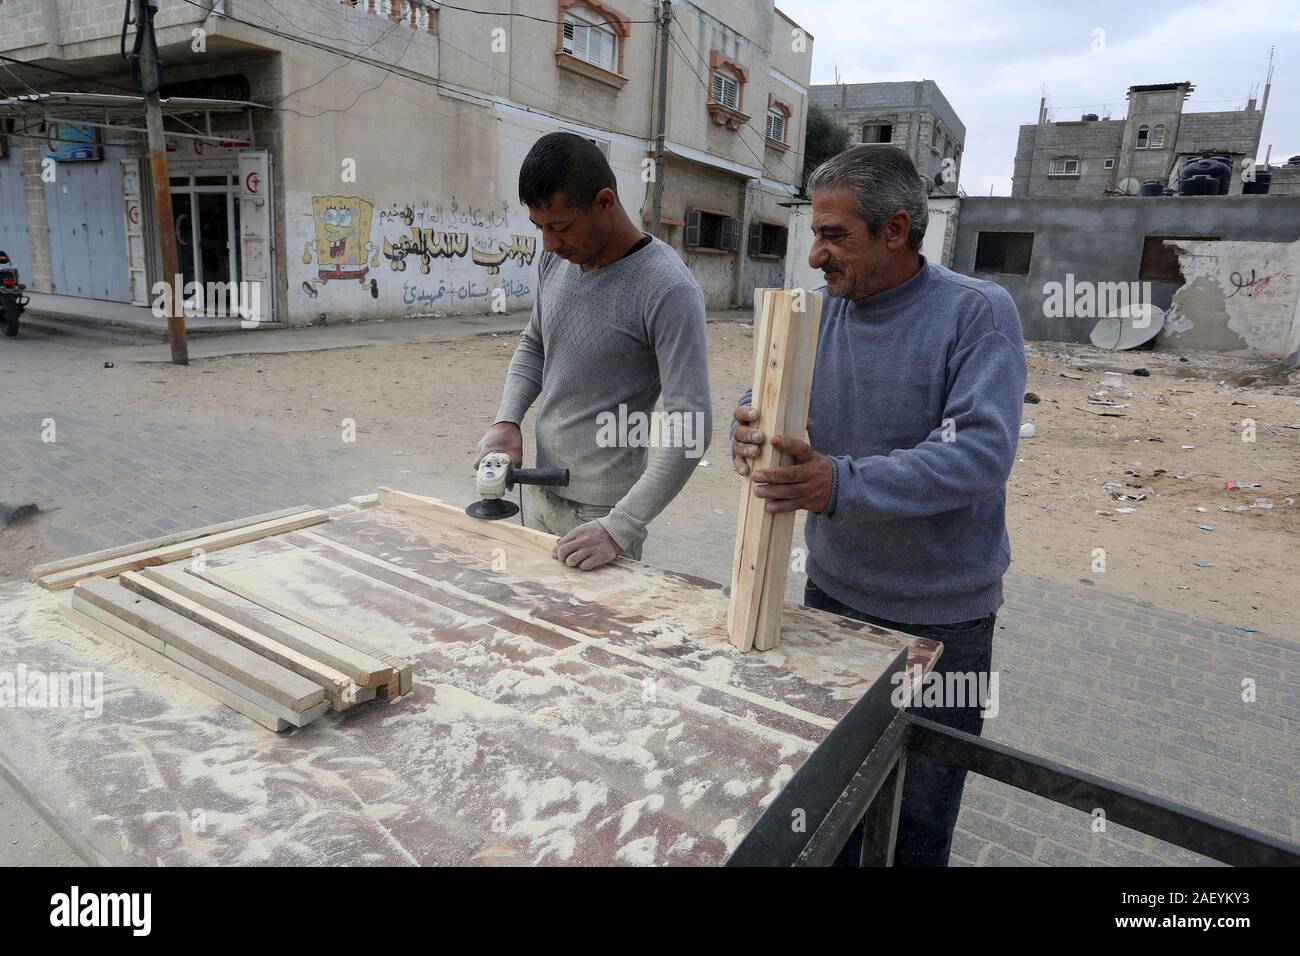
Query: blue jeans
column 931, row 789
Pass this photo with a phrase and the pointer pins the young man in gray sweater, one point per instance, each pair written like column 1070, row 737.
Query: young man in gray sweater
column 915, row 414
column 617, row 319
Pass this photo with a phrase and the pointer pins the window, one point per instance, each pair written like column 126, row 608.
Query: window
column 878, row 133
column 594, row 42
column 726, row 90
column 1159, row 262
column 1108, row 164
column 1157, row 137
column 1063, row 166
column 767, row 239
column 1005, row 252
column 776, row 125
column 711, row 229
column 1144, row 137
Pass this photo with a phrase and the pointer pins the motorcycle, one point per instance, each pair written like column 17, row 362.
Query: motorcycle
column 12, row 300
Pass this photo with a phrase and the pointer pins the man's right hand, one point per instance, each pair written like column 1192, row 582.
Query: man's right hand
column 503, row 436
column 745, row 440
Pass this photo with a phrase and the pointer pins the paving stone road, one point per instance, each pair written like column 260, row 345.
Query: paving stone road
column 1144, row 696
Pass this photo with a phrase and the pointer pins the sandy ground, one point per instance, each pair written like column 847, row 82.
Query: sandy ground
column 1177, row 443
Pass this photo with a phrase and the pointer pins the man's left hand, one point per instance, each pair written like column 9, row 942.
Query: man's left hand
column 804, row 485
column 587, row 546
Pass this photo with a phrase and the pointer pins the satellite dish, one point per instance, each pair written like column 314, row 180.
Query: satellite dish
column 1128, row 327
column 1129, row 185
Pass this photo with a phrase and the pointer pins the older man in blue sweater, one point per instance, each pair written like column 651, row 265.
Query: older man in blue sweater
column 913, row 423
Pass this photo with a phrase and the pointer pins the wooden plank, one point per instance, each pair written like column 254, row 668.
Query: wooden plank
column 94, row 557
column 447, row 514
column 267, row 718
column 182, row 549
column 743, row 606
column 266, row 677
column 767, row 632
column 339, row 688
column 378, row 673
column 366, row 669
column 763, row 304
column 363, row 502
column 781, row 396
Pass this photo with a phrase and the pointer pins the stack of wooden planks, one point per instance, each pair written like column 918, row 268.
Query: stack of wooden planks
column 785, row 350
column 275, row 666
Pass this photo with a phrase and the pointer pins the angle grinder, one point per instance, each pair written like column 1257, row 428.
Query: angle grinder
column 497, row 475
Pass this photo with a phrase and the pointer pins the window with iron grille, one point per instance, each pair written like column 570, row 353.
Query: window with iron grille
column 591, row 42
column 776, row 125
column 726, row 90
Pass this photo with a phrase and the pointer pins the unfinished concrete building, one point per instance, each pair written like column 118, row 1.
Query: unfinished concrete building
column 913, row 115
column 1095, row 156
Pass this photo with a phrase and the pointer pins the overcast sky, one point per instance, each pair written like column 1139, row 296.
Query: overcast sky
column 991, row 59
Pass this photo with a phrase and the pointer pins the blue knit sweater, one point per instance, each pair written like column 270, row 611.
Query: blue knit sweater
column 916, row 399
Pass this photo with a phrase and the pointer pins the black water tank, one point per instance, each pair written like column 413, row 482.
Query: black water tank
column 1151, row 188
column 1260, row 186
column 1215, row 167
column 1199, row 185
column 1090, row 117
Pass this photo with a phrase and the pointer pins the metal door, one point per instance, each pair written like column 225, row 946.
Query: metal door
column 13, row 214
column 87, row 233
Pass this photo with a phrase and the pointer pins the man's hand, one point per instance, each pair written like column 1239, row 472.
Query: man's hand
column 503, row 436
column 806, row 484
column 747, row 441
column 587, row 546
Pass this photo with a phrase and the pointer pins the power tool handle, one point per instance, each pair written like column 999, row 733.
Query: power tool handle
column 554, row 477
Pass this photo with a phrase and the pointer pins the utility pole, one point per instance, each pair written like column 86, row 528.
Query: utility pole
column 147, row 73
column 657, row 214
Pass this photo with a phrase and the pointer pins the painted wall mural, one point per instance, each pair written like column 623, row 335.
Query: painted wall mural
column 441, row 257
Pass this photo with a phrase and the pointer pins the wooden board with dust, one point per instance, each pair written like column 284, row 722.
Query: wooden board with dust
column 551, row 716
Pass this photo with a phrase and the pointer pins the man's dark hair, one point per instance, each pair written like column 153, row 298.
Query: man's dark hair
column 564, row 163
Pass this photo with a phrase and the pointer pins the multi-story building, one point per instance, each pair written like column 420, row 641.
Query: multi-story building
column 915, row 116
column 360, row 158
column 1092, row 156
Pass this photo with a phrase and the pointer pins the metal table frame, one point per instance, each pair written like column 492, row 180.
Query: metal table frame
column 838, row 787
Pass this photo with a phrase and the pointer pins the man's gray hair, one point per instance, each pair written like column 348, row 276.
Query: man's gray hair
column 883, row 180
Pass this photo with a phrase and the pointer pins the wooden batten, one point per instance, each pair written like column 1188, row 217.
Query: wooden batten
column 784, row 356
column 181, row 549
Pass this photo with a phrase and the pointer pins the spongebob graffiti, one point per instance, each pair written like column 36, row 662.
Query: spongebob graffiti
column 342, row 243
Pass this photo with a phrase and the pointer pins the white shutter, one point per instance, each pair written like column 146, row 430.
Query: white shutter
column 256, row 248
column 136, row 268
column 568, row 34
column 717, row 87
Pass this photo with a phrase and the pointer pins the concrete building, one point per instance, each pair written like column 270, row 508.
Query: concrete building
column 1057, row 256
column 1094, row 156
column 915, row 116
column 360, row 159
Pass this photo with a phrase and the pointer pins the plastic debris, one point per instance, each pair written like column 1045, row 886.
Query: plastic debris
column 1125, row 511
column 108, row 365
column 1206, row 527
column 1263, row 503
column 1031, row 398
column 1141, row 373
column 1203, row 564
column 704, row 463
column 1027, row 430
column 1247, row 628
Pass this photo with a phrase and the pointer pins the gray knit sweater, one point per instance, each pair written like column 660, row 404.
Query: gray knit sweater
column 599, row 349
